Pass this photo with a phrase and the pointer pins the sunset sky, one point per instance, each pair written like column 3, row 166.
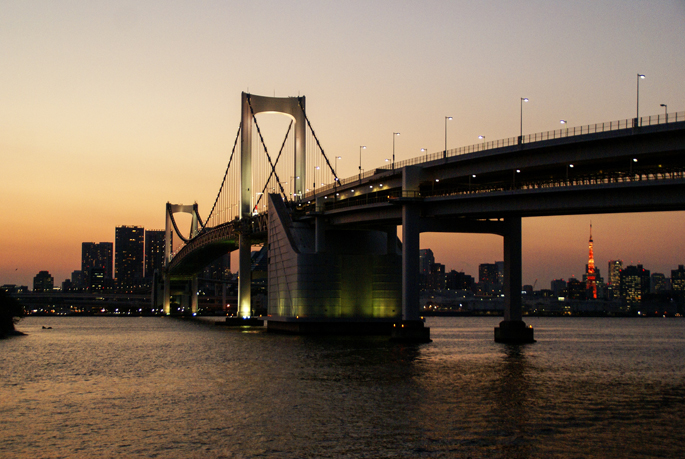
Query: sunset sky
column 109, row 109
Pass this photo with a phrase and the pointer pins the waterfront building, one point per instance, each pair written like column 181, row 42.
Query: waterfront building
column 634, row 284
column 576, row 289
column 456, row 280
column 436, row 277
column 426, row 259
column 154, row 251
column 43, row 282
column 129, row 256
column 558, row 287
column 97, row 255
column 487, row 273
column 615, row 267
column 678, row 281
column 657, row 283
column 78, row 279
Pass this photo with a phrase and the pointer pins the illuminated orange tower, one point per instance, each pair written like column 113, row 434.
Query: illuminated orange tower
column 591, row 277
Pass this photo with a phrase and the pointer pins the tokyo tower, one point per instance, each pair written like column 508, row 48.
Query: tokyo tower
column 591, row 276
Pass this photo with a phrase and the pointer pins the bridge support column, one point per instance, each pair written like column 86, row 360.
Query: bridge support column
column 513, row 329
column 244, row 276
column 411, row 328
column 319, row 228
column 167, row 294
column 193, row 295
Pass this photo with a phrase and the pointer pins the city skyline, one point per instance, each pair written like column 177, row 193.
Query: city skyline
column 111, row 110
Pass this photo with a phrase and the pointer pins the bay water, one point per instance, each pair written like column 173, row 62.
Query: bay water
column 110, row 387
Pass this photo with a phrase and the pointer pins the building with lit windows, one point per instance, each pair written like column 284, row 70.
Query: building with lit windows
column 97, row 255
column 129, row 257
column 43, row 282
column 154, row 251
column 634, row 284
column 678, row 281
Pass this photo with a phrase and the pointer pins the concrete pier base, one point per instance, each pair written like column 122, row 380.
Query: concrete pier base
column 411, row 331
column 242, row 321
column 514, row 332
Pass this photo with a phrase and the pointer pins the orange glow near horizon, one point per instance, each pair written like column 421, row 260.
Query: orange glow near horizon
column 109, row 110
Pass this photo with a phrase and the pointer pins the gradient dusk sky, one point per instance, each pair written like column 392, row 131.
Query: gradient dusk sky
column 109, row 109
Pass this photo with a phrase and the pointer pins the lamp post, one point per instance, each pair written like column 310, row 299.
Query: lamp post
column 482, row 137
column 567, row 168
column 447, row 118
column 363, row 147
column 637, row 115
column 424, row 150
column 665, row 110
column 564, row 122
column 523, row 99
column 394, row 134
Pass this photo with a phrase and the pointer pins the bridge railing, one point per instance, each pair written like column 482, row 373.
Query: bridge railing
column 629, row 123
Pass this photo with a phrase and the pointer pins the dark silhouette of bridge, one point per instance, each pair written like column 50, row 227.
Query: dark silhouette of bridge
column 336, row 263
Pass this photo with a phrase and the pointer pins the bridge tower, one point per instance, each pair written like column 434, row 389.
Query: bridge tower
column 191, row 289
column 252, row 105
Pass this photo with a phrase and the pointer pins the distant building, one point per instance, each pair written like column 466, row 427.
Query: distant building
column 678, row 281
column 657, row 283
column 634, row 284
column 43, row 282
column 79, row 279
column 558, row 287
column 426, row 259
column 129, row 256
column 154, row 251
column 500, row 272
column 97, row 255
column 575, row 289
column 615, row 267
column 488, row 274
column 436, row 277
column 455, row 280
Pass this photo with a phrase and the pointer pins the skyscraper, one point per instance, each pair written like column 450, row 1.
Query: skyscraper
column 97, row 256
column 154, row 251
column 128, row 259
column 615, row 267
column 591, row 278
column 634, row 284
column 426, row 259
column 678, row 281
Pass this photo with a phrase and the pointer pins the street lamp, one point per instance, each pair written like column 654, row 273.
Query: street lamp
column 424, row 150
column 447, row 118
column 637, row 116
column 394, row 134
column 482, row 137
column 523, row 99
column 665, row 110
column 564, row 122
column 567, row 168
column 363, row 147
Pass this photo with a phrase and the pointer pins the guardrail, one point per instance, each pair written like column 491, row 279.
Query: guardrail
column 628, row 123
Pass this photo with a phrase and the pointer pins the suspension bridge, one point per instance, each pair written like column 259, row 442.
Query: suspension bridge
column 335, row 261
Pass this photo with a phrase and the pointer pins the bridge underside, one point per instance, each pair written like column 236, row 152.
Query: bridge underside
column 195, row 261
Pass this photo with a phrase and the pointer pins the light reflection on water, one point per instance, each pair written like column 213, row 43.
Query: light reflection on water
column 156, row 387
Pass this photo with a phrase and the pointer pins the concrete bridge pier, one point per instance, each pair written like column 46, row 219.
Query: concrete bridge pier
column 411, row 328
column 513, row 329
